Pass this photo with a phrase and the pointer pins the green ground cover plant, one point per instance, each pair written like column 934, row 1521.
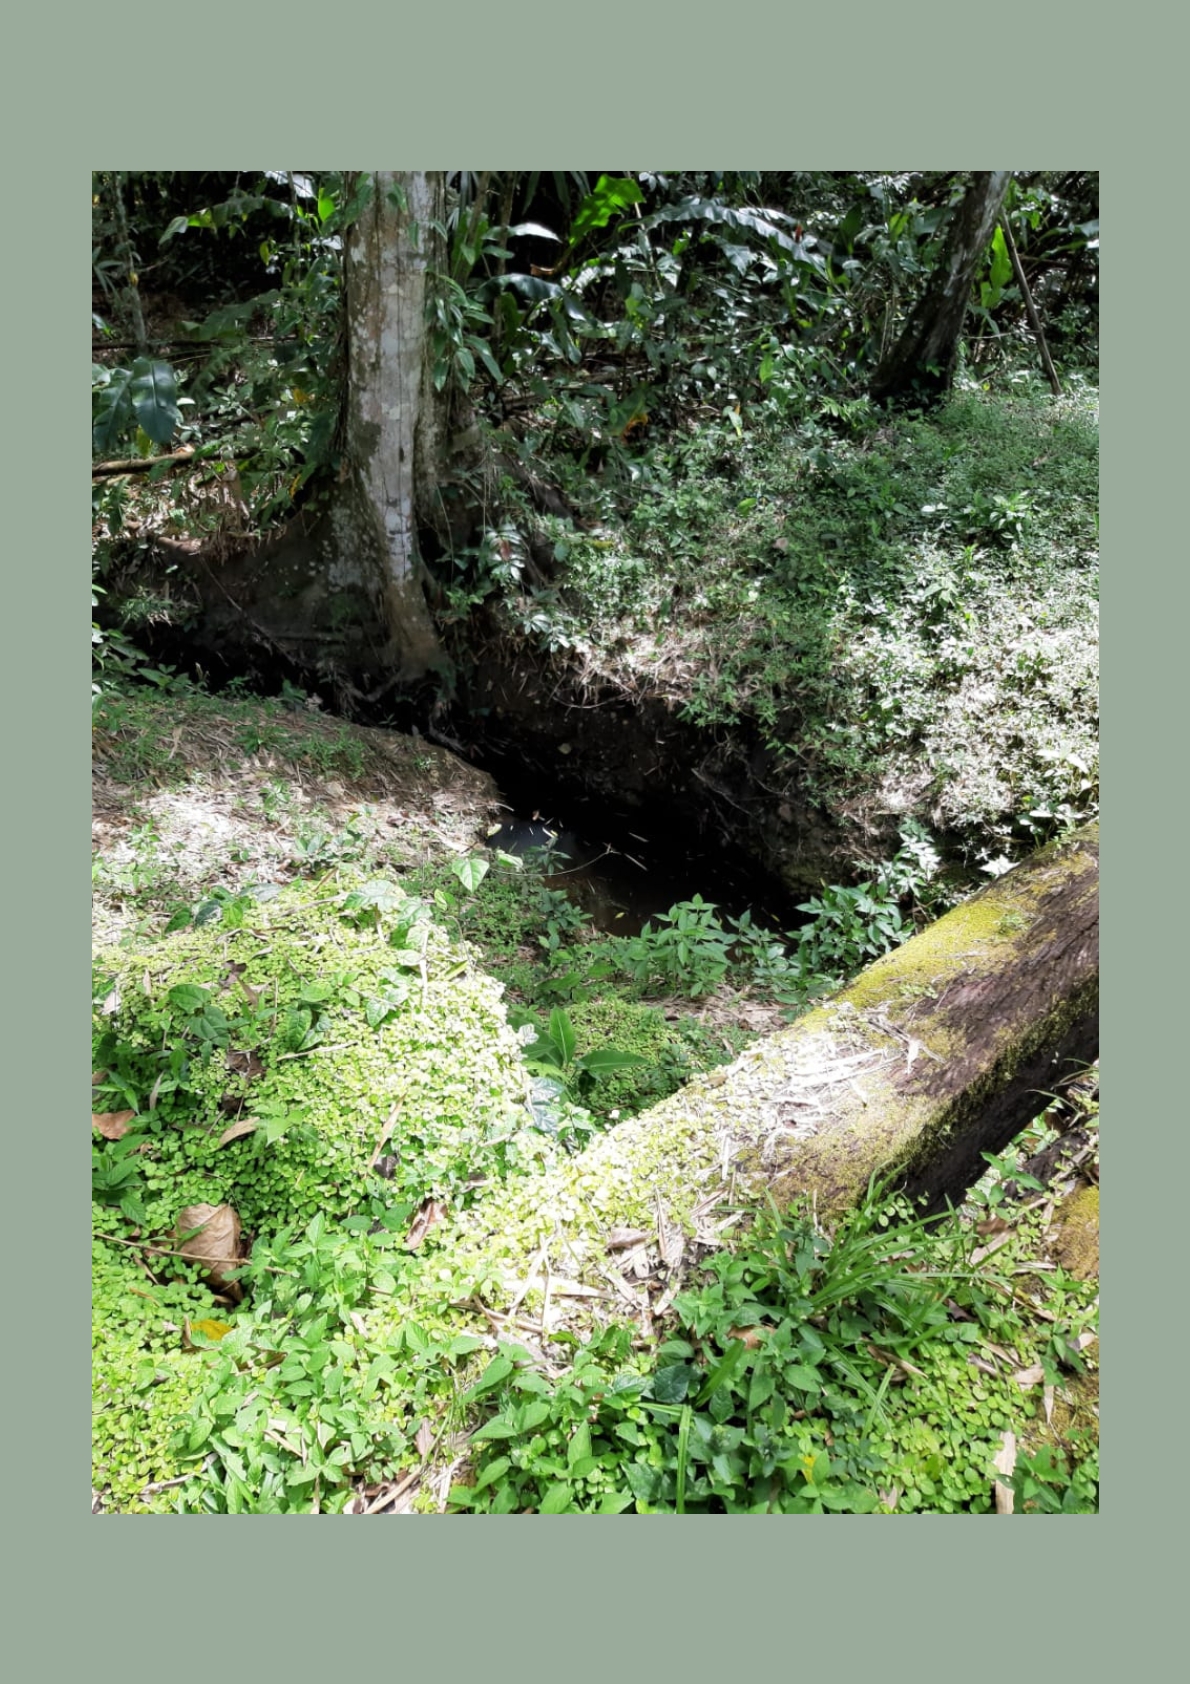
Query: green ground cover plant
column 903, row 605
column 807, row 1372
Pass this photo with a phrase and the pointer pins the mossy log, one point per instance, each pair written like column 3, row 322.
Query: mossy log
column 965, row 1031
column 942, row 1050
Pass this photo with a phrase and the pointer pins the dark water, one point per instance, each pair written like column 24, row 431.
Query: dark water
column 621, row 885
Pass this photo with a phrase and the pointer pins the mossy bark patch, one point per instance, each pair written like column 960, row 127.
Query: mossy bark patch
column 1076, row 1246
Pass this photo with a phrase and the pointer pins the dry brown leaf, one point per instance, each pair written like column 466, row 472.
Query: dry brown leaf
column 1004, row 1462
column 620, row 1239
column 1026, row 1377
column 244, row 1064
column 1047, row 1399
column 424, row 1439
column 390, row 1123
column 246, row 1125
column 749, row 1337
column 209, row 1235
column 112, row 1125
column 425, row 1219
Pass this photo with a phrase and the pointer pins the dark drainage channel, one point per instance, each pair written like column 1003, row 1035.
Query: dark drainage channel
column 625, row 867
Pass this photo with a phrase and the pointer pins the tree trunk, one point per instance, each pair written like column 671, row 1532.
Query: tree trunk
column 394, row 422
column 922, row 362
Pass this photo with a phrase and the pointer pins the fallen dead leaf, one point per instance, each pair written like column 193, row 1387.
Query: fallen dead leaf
column 390, row 1123
column 244, row 1064
column 246, row 1125
column 112, row 1125
column 209, row 1235
column 424, row 1439
column 620, row 1239
column 209, row 1329
column 749, row 1337
column 1004, row 1462
column 425, row 1219
column 1026, row 1377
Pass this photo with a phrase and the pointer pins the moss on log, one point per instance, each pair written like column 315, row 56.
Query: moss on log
column 940, row 1051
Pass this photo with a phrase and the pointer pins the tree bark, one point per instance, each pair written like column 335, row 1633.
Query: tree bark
column 393, row 417
column 922, row 362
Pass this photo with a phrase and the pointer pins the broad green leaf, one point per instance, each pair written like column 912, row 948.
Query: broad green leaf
column 112, row 413
column 187, row 997
column 154, row 393
column 470, row 872
column 610, row 195
column 556, row 1500
column 670, row 1385
column 562, row 1034
column 1001, row 267
column 609, row 1058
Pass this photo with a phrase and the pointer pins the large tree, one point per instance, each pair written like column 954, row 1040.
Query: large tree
column 393, row 420
column 922, row 362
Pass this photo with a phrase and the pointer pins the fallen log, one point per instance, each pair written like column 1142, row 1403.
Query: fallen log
column 942, row 1050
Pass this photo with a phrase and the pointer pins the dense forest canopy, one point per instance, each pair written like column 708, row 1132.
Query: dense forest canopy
column 595, row 725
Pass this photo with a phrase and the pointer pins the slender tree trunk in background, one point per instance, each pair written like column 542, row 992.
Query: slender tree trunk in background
column 393, row 421
column 923, row 359
column 1018, row 270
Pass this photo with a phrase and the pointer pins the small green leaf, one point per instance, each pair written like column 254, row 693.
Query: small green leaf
column 497, row 1370
column 494, row 1471
column 497, row 1427
column 579, row 1448
column 556, row 1500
